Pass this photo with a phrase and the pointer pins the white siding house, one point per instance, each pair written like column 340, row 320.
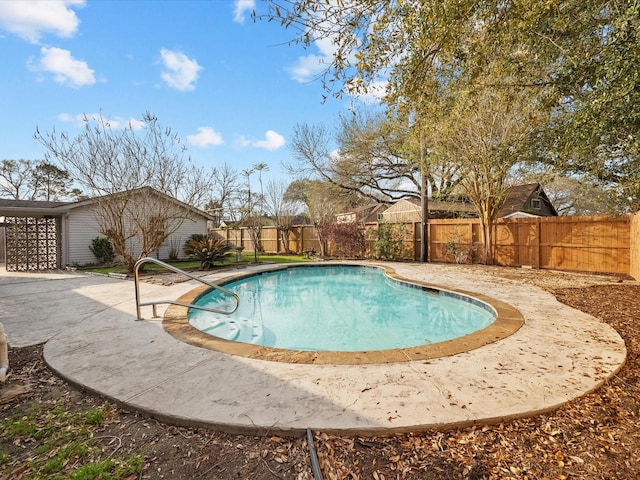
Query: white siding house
column 81, row 227
column 78, row 224
column 176, row 241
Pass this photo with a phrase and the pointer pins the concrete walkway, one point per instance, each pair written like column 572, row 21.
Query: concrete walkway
column 93, row 340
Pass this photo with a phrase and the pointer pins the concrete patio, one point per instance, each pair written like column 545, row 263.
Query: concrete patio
column 92, row 339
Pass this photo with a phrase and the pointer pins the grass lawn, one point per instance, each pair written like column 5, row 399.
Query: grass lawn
column 245, row 257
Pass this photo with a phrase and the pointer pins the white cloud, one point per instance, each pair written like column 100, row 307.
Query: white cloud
column 307, row 68
column 242, row 6
column 242, row 141
column 206, row 137
column 376, row 91
column 65, row 69
column 135, row 124
column 326, row 46
column 180, row 72
column 31, row 19
column 115, row 123
column 65, row 117
column 272, row 141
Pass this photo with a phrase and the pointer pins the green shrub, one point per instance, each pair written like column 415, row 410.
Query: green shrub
column 197, row 236
column 389, row 243
column 206, row 249
column 102, row 249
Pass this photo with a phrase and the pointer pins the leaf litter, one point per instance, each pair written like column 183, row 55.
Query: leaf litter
column 594, row 437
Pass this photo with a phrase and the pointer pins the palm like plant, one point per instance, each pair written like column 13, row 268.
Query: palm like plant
column 206, row 249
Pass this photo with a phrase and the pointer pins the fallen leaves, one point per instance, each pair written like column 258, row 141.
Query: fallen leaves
column 592, row 438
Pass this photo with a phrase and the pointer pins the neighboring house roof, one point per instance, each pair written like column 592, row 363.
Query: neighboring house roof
column 520, row 214
column 265, row 221
column 529, row 200
column 300, row 219
column 409, row 209
column 367, row 213
column 520, row 201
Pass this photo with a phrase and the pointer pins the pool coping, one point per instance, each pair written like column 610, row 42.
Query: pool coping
column 93, row 340
column 508, row 321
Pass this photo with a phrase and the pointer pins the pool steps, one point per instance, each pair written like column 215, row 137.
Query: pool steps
column 236, row 329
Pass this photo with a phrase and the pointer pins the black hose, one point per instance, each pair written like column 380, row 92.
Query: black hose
column 315, row 465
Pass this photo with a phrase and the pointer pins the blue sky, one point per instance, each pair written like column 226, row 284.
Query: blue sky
column 231, row 88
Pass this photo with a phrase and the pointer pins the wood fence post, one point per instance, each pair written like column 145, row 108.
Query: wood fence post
column 536, row 245
column 429, row 243
column 300, row 246
column 473, row 252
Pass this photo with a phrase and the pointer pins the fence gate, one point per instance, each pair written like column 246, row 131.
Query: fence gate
column 31, row 243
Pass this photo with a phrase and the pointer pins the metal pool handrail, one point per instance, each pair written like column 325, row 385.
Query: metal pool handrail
column 139, row 304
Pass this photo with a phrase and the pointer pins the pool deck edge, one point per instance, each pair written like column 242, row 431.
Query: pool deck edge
column 94, row 341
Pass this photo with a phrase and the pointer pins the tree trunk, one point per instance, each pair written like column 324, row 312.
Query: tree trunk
column 424, row 232
column 487, row 234
column 320, row 239
column 284, row 239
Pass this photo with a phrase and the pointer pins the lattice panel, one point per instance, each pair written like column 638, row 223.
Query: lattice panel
column 31, row 244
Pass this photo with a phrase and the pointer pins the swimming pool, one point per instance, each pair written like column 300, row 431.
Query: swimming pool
column 341, row 308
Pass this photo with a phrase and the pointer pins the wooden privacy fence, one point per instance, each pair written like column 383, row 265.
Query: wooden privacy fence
column 634, row 269
column 300, row 239
column 593, row 244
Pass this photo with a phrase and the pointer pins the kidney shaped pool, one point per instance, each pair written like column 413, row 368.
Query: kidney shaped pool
column 342, row 308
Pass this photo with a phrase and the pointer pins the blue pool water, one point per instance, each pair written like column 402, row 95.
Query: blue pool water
column 338, row 308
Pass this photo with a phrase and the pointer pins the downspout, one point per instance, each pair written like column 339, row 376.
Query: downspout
column 4, row 354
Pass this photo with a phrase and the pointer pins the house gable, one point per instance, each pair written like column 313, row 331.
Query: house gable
column 368, row 213
column 410, row 210
column 529, row 199
column 403, row 211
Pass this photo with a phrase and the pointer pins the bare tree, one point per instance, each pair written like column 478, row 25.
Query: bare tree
column 125, row 169
column 15, row 179
column 371, row 159
column 487, row 134
column 50, row 182
column 379, row 157
column 251, row 212
column 281, row 208
column 323, row 200
column 33, row 180
column 225, row 195
column 384, row 156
